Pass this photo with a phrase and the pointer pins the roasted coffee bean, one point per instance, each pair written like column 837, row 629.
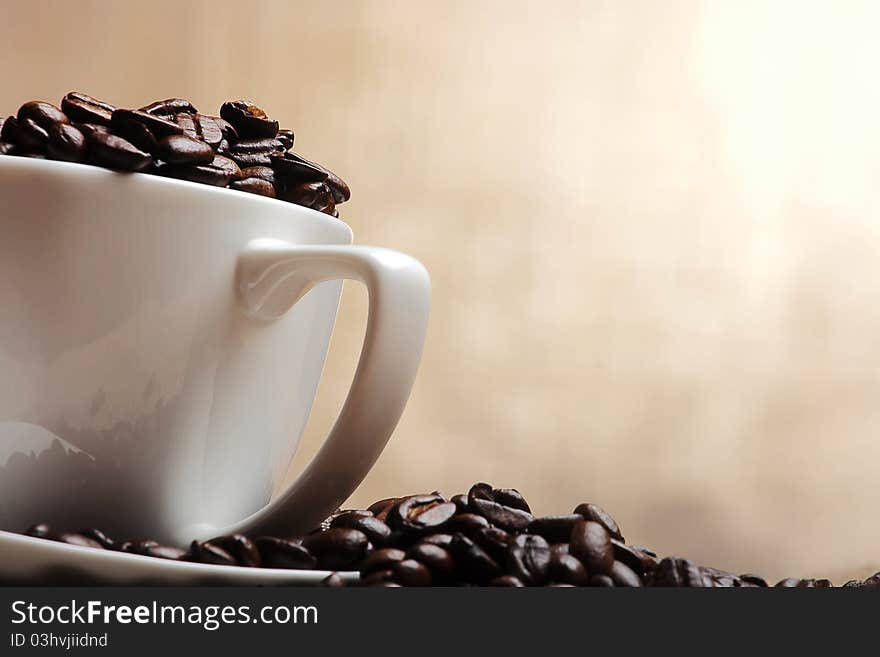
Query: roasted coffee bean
column 435, row 558
column 506, row 580
column 528, row 558
column 248, row 119
column 674, row 571
column 648, row 557
column 32, row 136
column 566, row 569
column 410, row 572
column 420, row 513
column 286, row 138
column 166, row 552
column 556, row 529
column 169, row 107
column 461, row 502
column 115, row 152
column 339, row 548
column 97, row 535
column 796, row 583
column 382, row 506
column 601, row 581
column 316, row 196
column 226, row 128
column 66, row 143
column 294, row 170
column 466, row 523
column 473, row 562
column 219, row 173
column 9, row 130
column 560, row 585
column 596, row 513
column 80, row 540
column 386, row 585
column 493, row 540
column 138, row 134
column 512, row 498
column 89, row 129
column 376, row 530
column 720, row 579
column 481, row 500
column 201, row 127
column 378, row 577
column 209, row 553
column 241, row 548
column 43, row 114
column 382, row 559
column 180, row 149
column 254, row 186
column 749, row 580
column 6, row 148
column 333, row 580
column 254, row 152
column 623, row 575
column 85, row 109
column 159, row 126
column 629, row 556
column 137, row 547
column 263, row 173
column 559, row 548
column 591, row 543
column 283, row 553
column 441, row 540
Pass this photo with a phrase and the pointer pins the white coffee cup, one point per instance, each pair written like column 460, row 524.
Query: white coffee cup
column 161, row 343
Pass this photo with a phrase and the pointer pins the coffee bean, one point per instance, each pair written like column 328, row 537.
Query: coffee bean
column 566, row 569
column 512, row 498
column 169, row 107
column 559, row 548
column 376, row 530
column 674, row 571
column 796, row 583
column 219, row 173
column 85, row 109
column 528, row 558
column 263, row 173
column 629, row 556
column 97, row 535
column 166, row 552
column 648, row 557
column 473, row 562
column 286, row 138
column 461, row 502
column 481, row 500
column 180, row 149
column 6, row 148
column 560, row 585
column 32, row 136
column 382, row 506
column 436, row 559
column 378, row 577
column 89, row 129
column 114, row 152
column 80, row 540
column 226, row 128
column 597, row 514
column 410, row 572
column 137, row 134
column 159, row 126
column 752, row 581
column 283, row 553
column 66, row 143
column 254, row 186
column 43, row 114
column 421, row 512
column 294, row 170
column 9, row 130
column 623, row 575
column 382, row 559
column 248, row 119
column 254, row 152
column 601, row 581
column 506, row 580
column 241, row 548
column 720, row 579
column 493, row 540
column 140, row 547
column 316, row 196
column 441, row 540
column 209, row 553
column 466, row 523
column 339, row 548
column 591, row 543
column 201, row 127
column 333, row 580
column 556, row 529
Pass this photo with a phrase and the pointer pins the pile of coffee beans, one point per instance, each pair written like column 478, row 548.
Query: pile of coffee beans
column 242, row 149
column 488, row 537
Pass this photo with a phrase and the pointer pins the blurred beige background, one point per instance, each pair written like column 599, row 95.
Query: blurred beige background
column 652, row 230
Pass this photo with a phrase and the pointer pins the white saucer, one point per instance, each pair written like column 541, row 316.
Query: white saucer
column 28, row 560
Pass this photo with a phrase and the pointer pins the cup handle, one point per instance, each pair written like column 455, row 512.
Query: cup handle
column 272, row 276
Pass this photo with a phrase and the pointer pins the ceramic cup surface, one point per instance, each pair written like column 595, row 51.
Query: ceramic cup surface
column 161, row 344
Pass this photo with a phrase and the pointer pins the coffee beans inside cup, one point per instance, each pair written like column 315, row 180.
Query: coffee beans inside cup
column 241, row 149
column 487, row 537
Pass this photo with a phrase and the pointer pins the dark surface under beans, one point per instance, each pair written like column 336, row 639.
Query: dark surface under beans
column 242, row 149
column 487, row 537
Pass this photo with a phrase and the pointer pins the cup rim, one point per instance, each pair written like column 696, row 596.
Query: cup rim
column 97, row 173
